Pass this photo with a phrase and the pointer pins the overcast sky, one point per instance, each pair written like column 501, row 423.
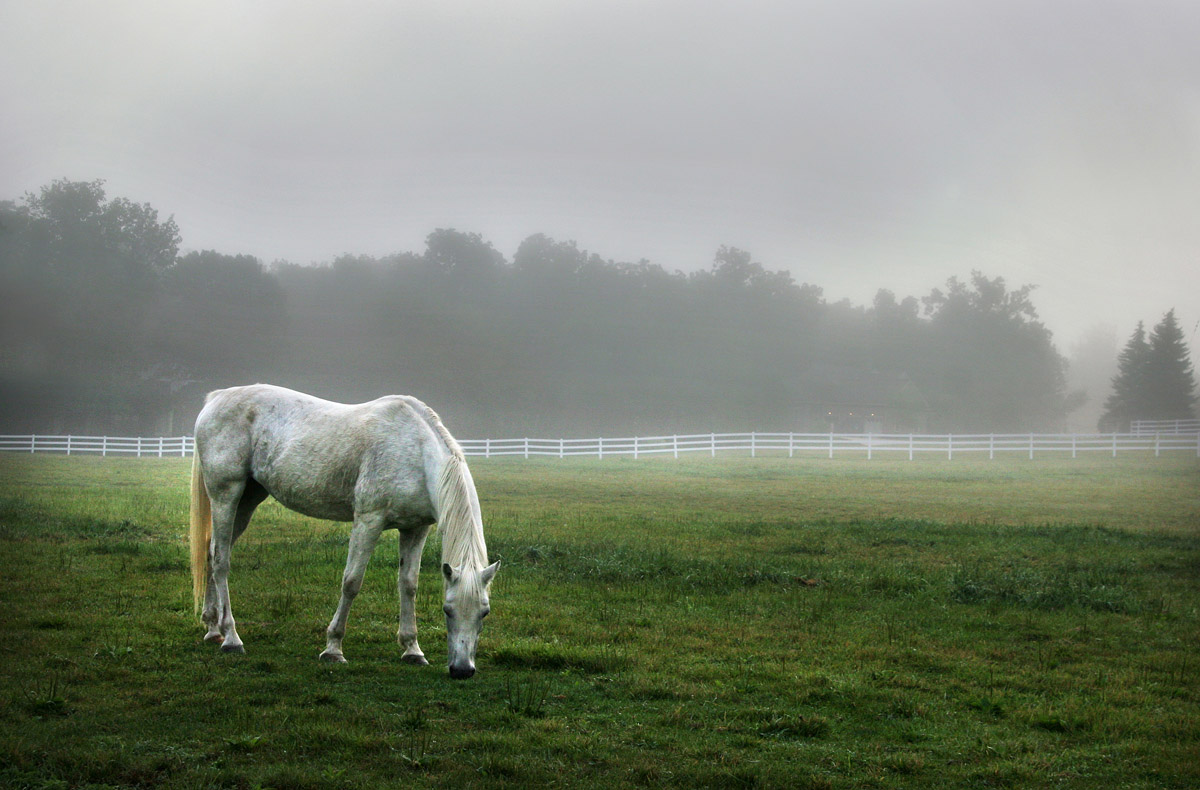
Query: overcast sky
column 860, row 145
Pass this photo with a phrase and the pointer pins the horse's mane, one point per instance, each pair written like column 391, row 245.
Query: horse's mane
column 463, row 546
column 435, row 422
column 458, row 513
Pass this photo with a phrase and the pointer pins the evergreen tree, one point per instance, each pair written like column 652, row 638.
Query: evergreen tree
column 1125, row 403
column 1170, row 386
column 1154, row 378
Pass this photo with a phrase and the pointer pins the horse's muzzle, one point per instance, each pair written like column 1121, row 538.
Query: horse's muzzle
column 462, row 673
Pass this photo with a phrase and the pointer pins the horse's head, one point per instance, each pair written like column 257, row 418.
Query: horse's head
column 465, row 605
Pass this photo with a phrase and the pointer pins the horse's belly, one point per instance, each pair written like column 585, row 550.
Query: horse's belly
column 316, row 507
column 305, row 489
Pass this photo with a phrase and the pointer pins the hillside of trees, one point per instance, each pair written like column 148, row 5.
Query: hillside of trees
column 107, row 328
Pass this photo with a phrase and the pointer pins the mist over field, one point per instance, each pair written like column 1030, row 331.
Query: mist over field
column 595, row 217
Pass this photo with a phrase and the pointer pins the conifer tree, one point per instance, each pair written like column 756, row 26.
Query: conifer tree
column 1124, row 403
column 1170, row 386
column 1154, row 380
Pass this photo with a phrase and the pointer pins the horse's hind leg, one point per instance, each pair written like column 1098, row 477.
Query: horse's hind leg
column 363, row 538
column 233, row 504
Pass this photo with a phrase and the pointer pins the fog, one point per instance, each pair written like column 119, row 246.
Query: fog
column 857, row 146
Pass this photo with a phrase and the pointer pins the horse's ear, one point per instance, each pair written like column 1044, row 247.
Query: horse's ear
column 490, row 571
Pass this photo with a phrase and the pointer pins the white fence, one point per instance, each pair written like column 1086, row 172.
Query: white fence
column 140, row 446
column 832, row 444
column 755, row 444
column 1143, row 427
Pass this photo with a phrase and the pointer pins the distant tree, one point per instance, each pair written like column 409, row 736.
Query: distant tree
column 1154, row 380
column 220, row 316
column 735, row 269
column 994, row 365
column 896, row 333
column 85, row 270
column 462, row 255
column 1170, row 386
column 99, row 261
column 542, row 257
column 78, row 230
column 1127, row 400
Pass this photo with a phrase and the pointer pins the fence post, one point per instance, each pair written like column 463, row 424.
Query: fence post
column 791, row 444
column 562, row 448
column 1073, row 448
column 1156, row 438
column 526, row 448
column 635, row 448
column 712, row 437
column 600, row 445
column 104, row 447
column 487, row 447
column 1114, row 444
column 753, row 448
column 33, row 443
column 991, row 446
column 949, row 447
column 910, row 447
column 675, row 445
column 68, row 444
column 831, row 444
column 160, row 446
column 1031, row 447
column 869, row 446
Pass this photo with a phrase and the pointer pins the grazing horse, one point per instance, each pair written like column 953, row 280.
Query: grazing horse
column 387, row 464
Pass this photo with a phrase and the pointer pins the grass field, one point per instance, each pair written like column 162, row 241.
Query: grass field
column 699, row 623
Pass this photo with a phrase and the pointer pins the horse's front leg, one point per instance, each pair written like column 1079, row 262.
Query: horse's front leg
column 412, row 543
column 362, row 542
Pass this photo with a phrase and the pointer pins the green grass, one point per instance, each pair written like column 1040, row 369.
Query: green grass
column 694, row 623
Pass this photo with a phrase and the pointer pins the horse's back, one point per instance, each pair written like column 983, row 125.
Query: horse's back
column 318, row 457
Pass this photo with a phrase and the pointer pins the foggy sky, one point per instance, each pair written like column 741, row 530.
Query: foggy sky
column 860, row 145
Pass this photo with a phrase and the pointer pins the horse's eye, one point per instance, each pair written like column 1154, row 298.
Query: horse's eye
column 449, row 612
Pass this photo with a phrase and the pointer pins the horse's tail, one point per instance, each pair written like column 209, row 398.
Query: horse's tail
column 200, row 532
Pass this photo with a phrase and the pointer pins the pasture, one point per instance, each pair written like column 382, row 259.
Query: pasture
column 765, row 622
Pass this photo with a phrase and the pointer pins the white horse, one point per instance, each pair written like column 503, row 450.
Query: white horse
column 387, row 464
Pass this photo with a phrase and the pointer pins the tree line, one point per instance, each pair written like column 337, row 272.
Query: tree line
column 109, row 328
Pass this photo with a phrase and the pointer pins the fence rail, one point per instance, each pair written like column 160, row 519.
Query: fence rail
column 754, row 443
column 140, row 446
column 1143, row 427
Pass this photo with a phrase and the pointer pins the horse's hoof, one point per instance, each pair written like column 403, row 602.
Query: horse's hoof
column 333, row 658
column 416, row 659
column 235, row 649
column 214, row 639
